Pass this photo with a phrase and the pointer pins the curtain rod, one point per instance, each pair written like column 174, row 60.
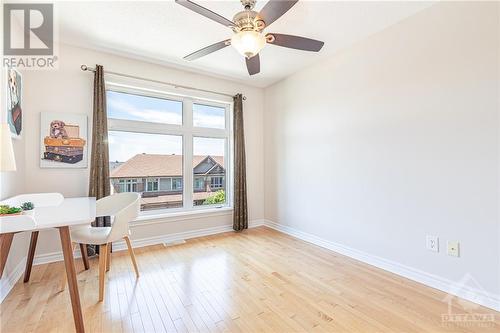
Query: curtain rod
column 90, row 69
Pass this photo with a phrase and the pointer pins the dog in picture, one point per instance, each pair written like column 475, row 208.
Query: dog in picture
column 57, row 130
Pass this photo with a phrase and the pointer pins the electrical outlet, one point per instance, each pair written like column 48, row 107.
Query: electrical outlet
column 453, row 248
column 432, row 243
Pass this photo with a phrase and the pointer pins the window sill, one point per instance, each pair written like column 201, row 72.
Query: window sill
column 147, row 219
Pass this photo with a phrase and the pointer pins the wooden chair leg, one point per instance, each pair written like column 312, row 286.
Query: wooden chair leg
column 103, row 251
column 132, row 255
column 85, row 258
column 108, row 257
column 31, row 256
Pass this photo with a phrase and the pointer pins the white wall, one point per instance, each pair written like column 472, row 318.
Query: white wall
column 394, row 139
column 69, row 89
column 11, row 183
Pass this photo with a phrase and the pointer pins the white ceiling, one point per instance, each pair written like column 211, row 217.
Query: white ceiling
column 165, row 32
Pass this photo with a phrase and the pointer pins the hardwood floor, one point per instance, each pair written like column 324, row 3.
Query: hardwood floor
column 259, row 280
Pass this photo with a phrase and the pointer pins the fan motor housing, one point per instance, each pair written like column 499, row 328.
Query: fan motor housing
column 248, row 20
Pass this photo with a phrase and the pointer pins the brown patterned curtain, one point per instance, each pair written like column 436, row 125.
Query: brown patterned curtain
column 99, row 185
column 240, row 215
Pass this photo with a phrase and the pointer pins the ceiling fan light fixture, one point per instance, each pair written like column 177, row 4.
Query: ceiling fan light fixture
column 247, row 26
column 248, row 42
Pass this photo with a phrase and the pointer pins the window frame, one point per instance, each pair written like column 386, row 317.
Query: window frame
column 188, row 132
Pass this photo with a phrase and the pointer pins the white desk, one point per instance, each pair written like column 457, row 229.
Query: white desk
column 69, row 212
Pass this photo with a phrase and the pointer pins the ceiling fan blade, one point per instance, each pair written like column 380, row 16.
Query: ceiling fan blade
column 205, row 12
column 274, row 9
column 253, row 64
column 207, row 50
column 295, row 42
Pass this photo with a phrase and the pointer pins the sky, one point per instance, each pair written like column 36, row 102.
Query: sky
column 124, row 145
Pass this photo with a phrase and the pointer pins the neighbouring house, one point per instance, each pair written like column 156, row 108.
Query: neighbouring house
column 114, row 165
column 159, row 179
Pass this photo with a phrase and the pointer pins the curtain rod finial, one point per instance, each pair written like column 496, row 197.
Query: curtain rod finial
column 84, row 67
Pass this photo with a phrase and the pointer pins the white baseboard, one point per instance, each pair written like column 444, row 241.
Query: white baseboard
column 458, row 289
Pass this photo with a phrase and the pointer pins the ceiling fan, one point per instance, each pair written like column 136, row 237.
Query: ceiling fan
column 248, row 26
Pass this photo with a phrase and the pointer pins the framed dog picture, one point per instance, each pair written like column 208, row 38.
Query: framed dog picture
column 63, row 140
column 14, row 101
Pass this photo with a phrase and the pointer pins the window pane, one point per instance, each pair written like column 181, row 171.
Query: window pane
column 209, row 174
column 165, row 184
column 199, row 183
column 143, row 108
column 209, row 116
column 150, row 164
column 152, row 185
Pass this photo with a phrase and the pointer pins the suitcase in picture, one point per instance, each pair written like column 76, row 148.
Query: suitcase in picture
column 63, row 158
column 63, row 144
column 69, row 151
column 73, row 131
column 69, row 142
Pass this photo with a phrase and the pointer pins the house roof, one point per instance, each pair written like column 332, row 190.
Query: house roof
column 153, row 165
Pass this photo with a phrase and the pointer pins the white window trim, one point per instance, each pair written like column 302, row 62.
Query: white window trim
column 178, row 216
column 188, row 132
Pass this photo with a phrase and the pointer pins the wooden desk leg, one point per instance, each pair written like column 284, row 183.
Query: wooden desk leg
column 31, row 256
column 85, row 258
column 5, row 243
column 69, row 262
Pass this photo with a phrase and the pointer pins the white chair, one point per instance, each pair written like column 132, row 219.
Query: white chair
column 123, row 208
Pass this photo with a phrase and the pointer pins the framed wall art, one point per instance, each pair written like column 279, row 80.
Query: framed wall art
column 14, row 102
column 63, row 140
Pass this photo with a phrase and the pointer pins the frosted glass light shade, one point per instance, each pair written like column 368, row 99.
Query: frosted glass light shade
column 248, row 43
column 7, row 158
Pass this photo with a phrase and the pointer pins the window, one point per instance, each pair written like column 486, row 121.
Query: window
column 199, row 183
column 209, row 163
column 172, row 150
column 137, row 158
column 152, row 185
column 208, row 116
column 165, row 184
column 126, row 185
column 217, row 182
column 177, row 184
column 135, row 107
